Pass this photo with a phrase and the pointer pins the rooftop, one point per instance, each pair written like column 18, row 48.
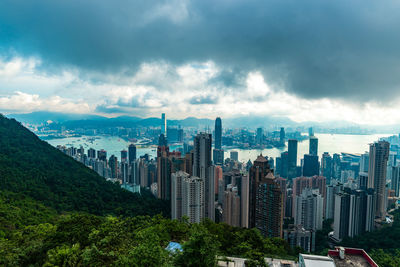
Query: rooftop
column 352, row 257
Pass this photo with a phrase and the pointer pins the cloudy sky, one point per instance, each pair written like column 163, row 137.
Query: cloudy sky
column 307, row 60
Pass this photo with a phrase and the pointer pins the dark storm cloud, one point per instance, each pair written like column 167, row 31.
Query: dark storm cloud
column 201, row 99
column 339, row 49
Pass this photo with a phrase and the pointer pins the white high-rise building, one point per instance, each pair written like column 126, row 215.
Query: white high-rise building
column 193, row 199
column 176, row 193
column 309, row 208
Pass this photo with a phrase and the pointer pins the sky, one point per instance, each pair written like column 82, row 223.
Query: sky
column 309, row 60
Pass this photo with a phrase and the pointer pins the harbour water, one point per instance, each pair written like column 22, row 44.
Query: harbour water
column 332, row 143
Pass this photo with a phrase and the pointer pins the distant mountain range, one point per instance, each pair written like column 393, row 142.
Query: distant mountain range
column 72, row 121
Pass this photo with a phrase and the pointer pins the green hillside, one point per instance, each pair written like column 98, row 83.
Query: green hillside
column 34, row 168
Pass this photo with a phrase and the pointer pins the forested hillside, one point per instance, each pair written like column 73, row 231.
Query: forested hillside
column 32, row 167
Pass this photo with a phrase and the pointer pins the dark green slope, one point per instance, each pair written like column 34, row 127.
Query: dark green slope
column 31, row 166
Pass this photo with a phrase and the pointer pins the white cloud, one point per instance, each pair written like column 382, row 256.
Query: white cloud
column 161, row 87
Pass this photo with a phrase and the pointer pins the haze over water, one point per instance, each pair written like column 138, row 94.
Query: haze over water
column 332, row 143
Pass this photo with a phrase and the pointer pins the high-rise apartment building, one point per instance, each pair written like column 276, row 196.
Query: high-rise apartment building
column 203, row 169
column 113, row 164
column 176, row 193
column 378, row 157
column 309, row 209
column 265, row 199
column 193, row 202
column 231, row 206
column 292, row 158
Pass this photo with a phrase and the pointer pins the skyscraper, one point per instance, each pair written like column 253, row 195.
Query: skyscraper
column 282, row 136
column 378, row 157
column 132, row 153
column 269, row 207
column 202, row 168
column 313, row 146
column 176, row 193
column 124, row 156
column 113, row 164
column 265, row 199
column 163, row 124
column 234, row 155
column 259, row 136
column 311, row 165
column 292, row 158
column 231, row 206
column 327, row 167
column 309, row 210
column 364, row 162
column 193, row 205
column 218, row 133
column 92, row 153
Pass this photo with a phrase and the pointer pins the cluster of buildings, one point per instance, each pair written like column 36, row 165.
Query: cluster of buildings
column 354, row 191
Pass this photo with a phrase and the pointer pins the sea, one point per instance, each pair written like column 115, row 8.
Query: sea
column 332, row 143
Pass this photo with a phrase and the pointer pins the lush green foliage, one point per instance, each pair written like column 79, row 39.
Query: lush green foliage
column 34, row 168
column 89, row 240
column 383, row 244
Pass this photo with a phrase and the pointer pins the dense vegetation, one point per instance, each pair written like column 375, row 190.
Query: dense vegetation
column 89, row 240
column 34, row 168
column 382, row 245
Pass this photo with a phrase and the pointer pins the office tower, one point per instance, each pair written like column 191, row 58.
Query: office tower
column 193, row 202
column 234, row 155
column 309, row 210
column 91, row 153
column 113, row 164
column 327, row 167
column 162, row 140
column 163, row 124
column 102, row 155
column 284, row 164
column 310, row 132
column 313, row 146
column 364, row 162
column 331, row 191
column 132, row 153
column 282, row 136
column 395, row 181
column 125, row 172
column 336, row 173
column 180, row 135
column 218, row 133
column 176, row 193
column 292, row 158
column 124, row 156
column 231, row 206
column 218, row 156
column 378, row 157
column 278, row 166
column 259, row 136
column 311, row 165
column 341, row 215
column 202, row 168
column 269, row 207
column 362, row 180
